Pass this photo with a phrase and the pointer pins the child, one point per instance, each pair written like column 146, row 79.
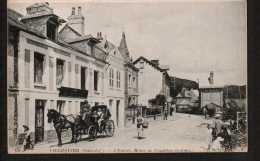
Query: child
column 27, row 140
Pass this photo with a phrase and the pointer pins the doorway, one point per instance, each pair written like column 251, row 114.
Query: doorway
column 117, row 112
column 39, row 121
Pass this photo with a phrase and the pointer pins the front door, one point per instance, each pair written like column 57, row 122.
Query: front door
column 117, row 112
column 39, row 121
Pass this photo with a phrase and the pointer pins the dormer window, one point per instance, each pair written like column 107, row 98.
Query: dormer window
column 51, row 30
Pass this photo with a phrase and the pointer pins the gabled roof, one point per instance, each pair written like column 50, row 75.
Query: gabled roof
column 106, row 45
column 149, row 62
column 183, row 102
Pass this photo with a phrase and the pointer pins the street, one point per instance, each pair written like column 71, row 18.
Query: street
column 180, row 133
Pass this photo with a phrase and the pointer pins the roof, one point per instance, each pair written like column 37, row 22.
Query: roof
column 71, row 28
column 123, row 49
column 106, row 45
column 164, row 67
column 149, row 62
column 13, row 18
column 218, row 79
column 182, row 102
column 81, row 38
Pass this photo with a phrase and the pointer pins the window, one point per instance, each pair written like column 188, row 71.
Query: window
column 96, row 79
column 114, row 52
column 129, row 80
column 141, row 65
column 60, row 106
column 51, row 30
column 118, row 79
column 59, row 71
column 134, row 82
column 111, row 77
column 83, row 78
column 38, row 68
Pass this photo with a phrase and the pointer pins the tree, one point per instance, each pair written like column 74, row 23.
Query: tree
column 159, row 100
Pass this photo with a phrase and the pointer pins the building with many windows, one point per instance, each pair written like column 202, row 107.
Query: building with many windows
column 51, row 70
column 114, row 78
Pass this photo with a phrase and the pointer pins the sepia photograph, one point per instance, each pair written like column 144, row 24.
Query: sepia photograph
column 114, row 76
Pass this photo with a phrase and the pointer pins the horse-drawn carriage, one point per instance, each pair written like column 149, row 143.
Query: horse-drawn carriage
column 96, row 124
column 98, row 121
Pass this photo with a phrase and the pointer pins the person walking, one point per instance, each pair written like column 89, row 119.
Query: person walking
column 171, row 110
column 154, row 113
column 140, row 121
column 165, row 113
column 209, row 136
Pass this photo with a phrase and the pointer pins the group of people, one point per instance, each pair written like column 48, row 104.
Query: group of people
column 218, row 134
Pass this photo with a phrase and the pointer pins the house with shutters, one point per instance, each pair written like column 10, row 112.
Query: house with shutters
column 49, row 70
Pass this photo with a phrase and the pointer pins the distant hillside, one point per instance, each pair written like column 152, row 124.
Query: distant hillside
column 177, row 84
column 232, row 91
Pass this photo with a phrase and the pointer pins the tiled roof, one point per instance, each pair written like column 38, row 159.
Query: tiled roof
column 13, row 18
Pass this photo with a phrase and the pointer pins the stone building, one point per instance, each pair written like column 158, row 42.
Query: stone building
column 153, row 79
column 212, row 93
column 50, row 70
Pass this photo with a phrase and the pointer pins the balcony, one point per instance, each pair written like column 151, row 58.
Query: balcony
column 73, row 92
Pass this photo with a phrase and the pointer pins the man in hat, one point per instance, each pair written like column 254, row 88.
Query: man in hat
column 217, row 124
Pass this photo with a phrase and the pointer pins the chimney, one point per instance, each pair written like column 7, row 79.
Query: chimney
column 155, row 62
column 211, row 78
column 99, row 36
column 77, row 21
column 73, row 11
column 79, row 10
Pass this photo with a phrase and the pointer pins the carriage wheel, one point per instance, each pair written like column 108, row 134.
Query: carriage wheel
column 92, row 132
column 110, row 128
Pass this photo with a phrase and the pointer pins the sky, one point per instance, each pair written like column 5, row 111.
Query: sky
column 192, row 37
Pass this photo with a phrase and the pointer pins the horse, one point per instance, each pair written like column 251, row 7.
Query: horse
column 63, row 122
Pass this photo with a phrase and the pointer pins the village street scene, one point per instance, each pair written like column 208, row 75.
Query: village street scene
column 164, row 77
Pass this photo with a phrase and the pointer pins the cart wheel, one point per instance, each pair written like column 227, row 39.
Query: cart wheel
column 110, row 128
column 92, row 132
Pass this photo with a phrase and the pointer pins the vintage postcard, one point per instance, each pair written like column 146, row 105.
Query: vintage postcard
column 127, row 76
